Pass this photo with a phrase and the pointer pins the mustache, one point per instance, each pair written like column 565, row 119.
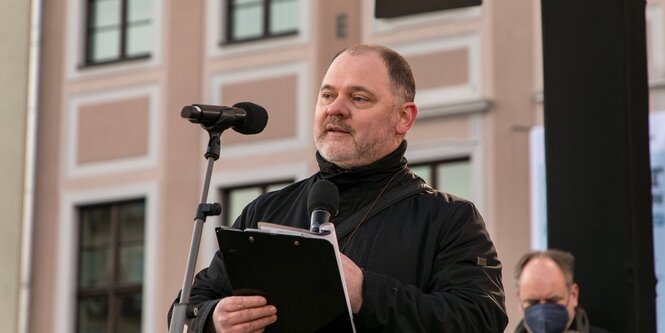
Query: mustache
column 336, row 123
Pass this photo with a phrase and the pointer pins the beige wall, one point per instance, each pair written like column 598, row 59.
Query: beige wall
column 278, row 95
column 111, row 130
column 509, row 121
column 14, row 55
column 446, row 68
column 47, row 171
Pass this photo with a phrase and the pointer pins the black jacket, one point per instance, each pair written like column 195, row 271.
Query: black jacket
column 429, row 264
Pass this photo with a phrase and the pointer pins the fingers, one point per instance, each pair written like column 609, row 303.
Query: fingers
column 243, row 314
column 249, row 315
column 258, row 325
column 236, row 303
column 354, row 282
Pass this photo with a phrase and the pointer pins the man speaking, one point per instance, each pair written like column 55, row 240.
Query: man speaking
column 424, row 263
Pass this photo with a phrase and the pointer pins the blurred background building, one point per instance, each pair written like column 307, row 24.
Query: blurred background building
column 110, row 174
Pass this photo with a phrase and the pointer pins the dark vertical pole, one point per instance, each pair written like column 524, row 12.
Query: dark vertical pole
column 597, row 153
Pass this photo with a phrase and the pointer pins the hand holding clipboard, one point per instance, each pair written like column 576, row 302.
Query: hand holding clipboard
column 296, row 270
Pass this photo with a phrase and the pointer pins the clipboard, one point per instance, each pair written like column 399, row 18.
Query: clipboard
column 297, row 271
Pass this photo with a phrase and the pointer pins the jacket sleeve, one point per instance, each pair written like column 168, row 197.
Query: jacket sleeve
column 210, row 285
column 464, row 291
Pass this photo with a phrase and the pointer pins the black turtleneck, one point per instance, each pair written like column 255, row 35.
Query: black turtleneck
column 359, row 186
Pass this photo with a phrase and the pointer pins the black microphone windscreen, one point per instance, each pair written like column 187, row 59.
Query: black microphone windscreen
column 255, row 121
column 323, row 195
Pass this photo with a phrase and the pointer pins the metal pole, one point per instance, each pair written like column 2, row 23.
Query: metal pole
column 178, row 318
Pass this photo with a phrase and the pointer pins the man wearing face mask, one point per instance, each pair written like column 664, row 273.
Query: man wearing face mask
column 548, row 296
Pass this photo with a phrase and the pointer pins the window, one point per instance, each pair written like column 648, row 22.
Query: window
column 110, row 276
column 118, row 30
column 248, row 20
column 452, row 176
column 398, row 8
column 236, row 198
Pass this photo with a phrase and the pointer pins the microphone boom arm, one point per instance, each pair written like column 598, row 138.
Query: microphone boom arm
column 180, row 309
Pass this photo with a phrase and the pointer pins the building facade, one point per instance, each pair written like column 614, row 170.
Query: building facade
column 16, row 99
column 119, row 172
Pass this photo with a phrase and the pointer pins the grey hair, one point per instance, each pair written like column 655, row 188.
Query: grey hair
column 400, row 74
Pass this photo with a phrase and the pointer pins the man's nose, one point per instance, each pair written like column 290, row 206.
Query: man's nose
column 338, row 107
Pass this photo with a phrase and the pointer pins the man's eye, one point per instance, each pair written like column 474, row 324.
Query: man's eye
column 325, row 97
column 360, row 99
column 530, row 303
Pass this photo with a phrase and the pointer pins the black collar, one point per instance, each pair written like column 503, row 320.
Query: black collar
column 375, row 173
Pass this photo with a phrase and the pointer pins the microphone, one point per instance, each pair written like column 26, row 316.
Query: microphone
column 322, row 203
column 244, row 118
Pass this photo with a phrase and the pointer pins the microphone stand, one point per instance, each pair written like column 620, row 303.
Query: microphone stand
column 181, row 311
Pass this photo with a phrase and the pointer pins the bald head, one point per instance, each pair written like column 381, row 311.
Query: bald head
column 564, row 260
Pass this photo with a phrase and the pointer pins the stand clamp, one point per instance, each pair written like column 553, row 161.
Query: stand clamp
column 205, row 209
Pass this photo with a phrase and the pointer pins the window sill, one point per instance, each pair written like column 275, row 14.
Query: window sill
column 87, row 65
column 227, row 43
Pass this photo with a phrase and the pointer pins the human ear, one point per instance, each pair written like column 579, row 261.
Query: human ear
column 406, row 117
column 574, row 294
